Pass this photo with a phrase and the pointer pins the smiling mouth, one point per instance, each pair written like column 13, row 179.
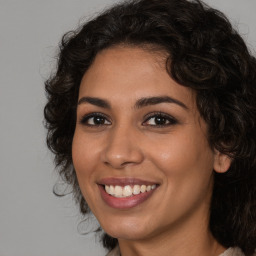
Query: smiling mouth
column 124, row 193
column 128, row 190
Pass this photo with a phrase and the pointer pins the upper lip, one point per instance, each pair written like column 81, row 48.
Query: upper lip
column 124, row 181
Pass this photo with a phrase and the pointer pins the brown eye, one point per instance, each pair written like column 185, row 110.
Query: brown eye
column 95, row 120
column 160, row 120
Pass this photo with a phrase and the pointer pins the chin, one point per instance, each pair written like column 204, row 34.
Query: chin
column 126, row 230
column 132, row 235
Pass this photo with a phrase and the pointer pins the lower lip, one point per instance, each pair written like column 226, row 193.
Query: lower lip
column 124, row 202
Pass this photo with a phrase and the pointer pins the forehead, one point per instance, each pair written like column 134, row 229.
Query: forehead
column 130, row 73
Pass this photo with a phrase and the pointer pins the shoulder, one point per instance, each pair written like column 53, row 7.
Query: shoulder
column 114, row 252
column 229, row 252
column 233, row 251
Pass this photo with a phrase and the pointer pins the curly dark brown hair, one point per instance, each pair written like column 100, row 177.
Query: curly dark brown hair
column 204, row 53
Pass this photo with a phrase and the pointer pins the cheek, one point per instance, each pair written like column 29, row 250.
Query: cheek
column 84, row 160
column 186, row 165
column 183, row 157
column 84, row 151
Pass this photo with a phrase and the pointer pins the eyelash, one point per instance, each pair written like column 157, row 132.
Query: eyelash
column 167, row 118
column 171, row 120
column 84, row 120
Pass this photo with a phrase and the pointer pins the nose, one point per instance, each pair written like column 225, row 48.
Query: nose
column 122, row 148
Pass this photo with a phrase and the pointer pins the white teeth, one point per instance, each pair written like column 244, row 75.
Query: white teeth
column 148, row 188
column 111, row 190
column 126, row 191
column 118, row 191
column 143, row 188
column 136, row 189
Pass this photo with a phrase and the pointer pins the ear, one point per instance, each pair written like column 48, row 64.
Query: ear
column 221, row 163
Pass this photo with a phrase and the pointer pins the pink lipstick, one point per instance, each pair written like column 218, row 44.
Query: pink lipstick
column 124, row 193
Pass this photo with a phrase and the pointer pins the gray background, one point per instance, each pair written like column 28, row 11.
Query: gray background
column 33, row 222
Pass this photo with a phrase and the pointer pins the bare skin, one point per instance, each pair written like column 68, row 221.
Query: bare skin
column 135, row 122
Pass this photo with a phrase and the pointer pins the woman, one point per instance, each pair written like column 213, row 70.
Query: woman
column 151, row 117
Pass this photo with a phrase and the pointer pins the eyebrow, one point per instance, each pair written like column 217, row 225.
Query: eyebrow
column 143, row 102
column 95, row 101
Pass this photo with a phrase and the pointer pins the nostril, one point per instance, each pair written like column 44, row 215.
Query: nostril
column 119, row 157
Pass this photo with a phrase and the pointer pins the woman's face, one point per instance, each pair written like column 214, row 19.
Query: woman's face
column 139, row 135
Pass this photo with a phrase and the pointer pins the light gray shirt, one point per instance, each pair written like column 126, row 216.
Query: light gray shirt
column 229, row 252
